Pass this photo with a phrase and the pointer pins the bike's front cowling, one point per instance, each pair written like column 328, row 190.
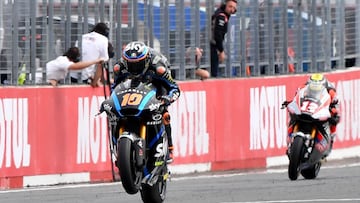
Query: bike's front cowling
column 135, row 115
column 309, row 115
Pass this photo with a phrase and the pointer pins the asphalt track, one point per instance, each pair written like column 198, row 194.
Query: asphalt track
column 337, row 182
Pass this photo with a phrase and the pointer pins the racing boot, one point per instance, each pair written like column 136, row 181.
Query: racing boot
column 332, row 137
column 327, row 150
column 170, row 156
column 166, row 120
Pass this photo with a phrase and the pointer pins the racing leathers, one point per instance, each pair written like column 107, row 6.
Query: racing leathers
column 326, row 146
column 158, row 73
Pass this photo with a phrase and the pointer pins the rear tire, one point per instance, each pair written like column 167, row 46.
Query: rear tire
column 296, row 152
column 126, row 164
column 312, row 172
column 155, row 193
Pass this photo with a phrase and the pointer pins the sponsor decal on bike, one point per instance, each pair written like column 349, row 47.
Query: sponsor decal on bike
column 153, row 122
column 157, row 117
column 159, row 150
column 154, row 106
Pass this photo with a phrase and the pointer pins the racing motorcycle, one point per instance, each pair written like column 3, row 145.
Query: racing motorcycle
column 139, row 139
column 309, row 114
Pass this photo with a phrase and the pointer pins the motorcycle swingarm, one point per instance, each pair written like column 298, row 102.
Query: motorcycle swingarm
column 153, row 177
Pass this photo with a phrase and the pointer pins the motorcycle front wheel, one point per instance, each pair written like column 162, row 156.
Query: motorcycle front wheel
column 296, row 153
column 127, row 168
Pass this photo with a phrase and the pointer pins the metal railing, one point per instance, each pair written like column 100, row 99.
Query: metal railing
column 267, row 37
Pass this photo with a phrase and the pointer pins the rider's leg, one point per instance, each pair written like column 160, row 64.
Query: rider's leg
column 166, row 120
column 332, row 135
column 323, row 141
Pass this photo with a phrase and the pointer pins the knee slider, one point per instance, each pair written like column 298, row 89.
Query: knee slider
column 166, row 118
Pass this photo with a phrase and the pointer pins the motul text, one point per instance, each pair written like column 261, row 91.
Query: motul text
column 267, row 120
column 92, row 131
column 14, row 146
column 190, row 134
column 349, row 126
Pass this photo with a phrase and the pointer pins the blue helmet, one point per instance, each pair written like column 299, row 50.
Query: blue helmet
column 135, row 55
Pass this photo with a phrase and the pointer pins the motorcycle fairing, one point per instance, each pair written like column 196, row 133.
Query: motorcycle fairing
column 160, row 149
column 145, row 100
column 314, row 105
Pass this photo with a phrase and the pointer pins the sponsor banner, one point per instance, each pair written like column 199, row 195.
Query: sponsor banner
column 230, row 123
column 244, row 120
column 52, row 130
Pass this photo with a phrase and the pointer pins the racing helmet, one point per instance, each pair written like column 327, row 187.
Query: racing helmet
column 135, row 56
column 317, row 82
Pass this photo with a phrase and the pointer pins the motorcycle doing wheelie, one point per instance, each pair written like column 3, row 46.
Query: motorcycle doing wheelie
column 307, row 143
column 139, row 137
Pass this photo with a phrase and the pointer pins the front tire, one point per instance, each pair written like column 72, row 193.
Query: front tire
column 296, row 152
column 126, row 164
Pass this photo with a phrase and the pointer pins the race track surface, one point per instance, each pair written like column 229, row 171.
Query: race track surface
column 337, row 182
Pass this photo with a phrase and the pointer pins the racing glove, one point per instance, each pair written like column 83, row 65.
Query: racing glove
column 334, row 103
column 284, row 104
column 334, row 119
column 166, row 99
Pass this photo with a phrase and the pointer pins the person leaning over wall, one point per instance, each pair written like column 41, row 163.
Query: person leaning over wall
column 93, row 45
column 57, row 69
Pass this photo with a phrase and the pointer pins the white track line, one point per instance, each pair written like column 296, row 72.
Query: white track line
column 270, row 171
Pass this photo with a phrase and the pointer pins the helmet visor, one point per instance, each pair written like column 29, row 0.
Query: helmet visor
column 314, row 90
column 136, row 68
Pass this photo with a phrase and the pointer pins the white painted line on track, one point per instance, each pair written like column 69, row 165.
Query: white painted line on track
column 266, row 171
column 57, row 187
column 302, row 200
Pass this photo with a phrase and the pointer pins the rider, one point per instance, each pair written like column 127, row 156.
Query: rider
column 315, row 80
column 144, row 62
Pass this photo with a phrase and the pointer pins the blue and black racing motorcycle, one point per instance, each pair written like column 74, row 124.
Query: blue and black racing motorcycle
column 139, row 139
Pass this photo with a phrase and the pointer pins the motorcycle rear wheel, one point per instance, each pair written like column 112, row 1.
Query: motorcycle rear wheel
column 296, row 152
column 126, row 164
column 155, row 193
column 312, row 172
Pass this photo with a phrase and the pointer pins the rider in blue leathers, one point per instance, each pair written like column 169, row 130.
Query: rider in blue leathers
column 149, row 65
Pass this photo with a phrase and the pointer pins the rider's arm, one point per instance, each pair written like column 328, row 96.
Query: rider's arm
column 161, row 66
column 164, row 75
column 120, row 73
column 84, row 64
column 332, row 91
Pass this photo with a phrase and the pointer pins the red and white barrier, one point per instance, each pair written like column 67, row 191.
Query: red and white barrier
column 51, row 135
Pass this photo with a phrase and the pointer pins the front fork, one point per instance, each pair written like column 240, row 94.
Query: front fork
column 308, row 139
column 138, row 143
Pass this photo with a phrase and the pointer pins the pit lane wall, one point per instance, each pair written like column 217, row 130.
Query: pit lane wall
column 51, row 135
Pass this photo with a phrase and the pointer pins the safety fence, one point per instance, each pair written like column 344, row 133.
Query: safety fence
column 267, row 37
